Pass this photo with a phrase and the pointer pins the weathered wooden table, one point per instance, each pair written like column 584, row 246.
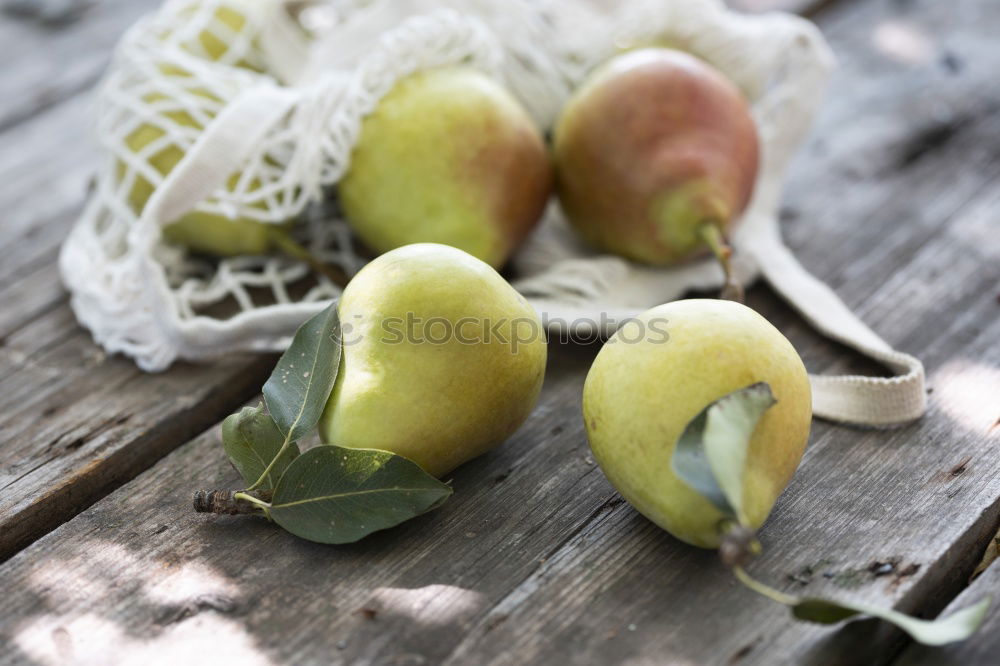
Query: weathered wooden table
column 535, row 559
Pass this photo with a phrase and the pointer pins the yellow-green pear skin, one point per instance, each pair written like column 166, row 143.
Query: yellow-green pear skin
column 200, row 231
column 436, row 399
column 208, row 233
column 448, row 156
column 209, row 44
column 642, row 391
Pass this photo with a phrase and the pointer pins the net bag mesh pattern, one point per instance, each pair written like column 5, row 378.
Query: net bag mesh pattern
column 229, row 109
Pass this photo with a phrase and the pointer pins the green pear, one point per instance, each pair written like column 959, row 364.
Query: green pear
column 656, row 156
column 657, row 373
column 203, row 232
column 448, row 156
column 212, row 43
column 442, row 359
column 209, row 233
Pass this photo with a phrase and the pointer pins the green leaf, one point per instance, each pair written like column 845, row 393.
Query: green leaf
column 711, row 453
column 821, row 611
column 332, row 494
column 956, row 627
column 251, row 439
column 303, row 379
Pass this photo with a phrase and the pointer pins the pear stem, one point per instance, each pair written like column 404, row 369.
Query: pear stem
column 739, row 545
column 711, row 233
column 765, row 590
column 827, row 611
column 230, row 502
column 284, row 242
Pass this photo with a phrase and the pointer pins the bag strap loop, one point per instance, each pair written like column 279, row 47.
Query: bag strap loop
column 852, row 399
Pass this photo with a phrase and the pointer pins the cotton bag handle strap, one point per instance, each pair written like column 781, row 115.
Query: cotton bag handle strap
column 853, row 399
column 220, row 150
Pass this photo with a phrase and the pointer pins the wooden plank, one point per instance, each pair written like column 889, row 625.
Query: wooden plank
column 30, row 297
column 90, row 429
column 535, row 559
column 45, row 166
column 76, row 424
column 879, row 130
column 44, row 170
column 924, row 499
column 88, row 422
column 51, row 60
column 512, row 508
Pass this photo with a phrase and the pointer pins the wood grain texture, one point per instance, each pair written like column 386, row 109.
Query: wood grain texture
column 891, row 205
column 53, row 55
column 243, row 580
column 536, row 559
column 76, row 424
column 44, row 169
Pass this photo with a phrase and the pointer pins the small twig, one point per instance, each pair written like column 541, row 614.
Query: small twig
column 231, row 502
column 766, row 590
column 732, row 290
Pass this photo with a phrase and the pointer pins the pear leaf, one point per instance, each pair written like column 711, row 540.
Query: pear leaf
column 711, row 453
column 252, row 440
column 333, row 494
column 303, row 379
column 956, row 627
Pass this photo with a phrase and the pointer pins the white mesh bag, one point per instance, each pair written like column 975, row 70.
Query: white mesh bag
column 260, row 118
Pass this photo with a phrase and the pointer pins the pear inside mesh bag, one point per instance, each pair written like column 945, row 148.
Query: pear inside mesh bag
column 225, row 123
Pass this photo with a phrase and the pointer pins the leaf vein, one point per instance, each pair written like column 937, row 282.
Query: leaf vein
column 354, row 493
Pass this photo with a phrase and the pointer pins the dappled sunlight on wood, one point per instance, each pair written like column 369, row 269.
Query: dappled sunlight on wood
column 969, row 392
column 48, row 579
column 430, row 605
column 90, row 640
column 903, row 43
column 186, row 596
column 189, row 582
column 83, row 576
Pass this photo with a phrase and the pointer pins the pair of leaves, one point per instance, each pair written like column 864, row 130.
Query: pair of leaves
column 710, row 456
column 329, row 494
column 261, row 444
